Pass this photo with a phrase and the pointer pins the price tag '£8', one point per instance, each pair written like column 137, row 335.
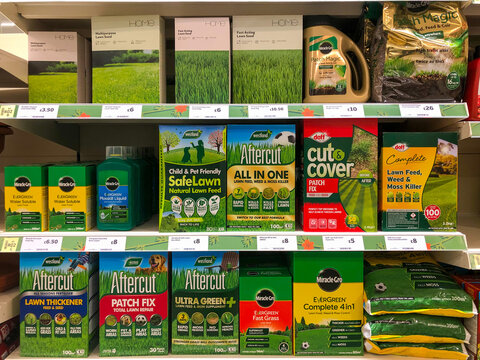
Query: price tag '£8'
column 41, row 244
column 187, row 243
column 394, row 242
column 277, row 242
column 105, row 243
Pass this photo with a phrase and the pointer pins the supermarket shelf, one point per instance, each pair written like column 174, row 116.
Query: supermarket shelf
column 9, row 304
column 124, row 113
column 95, row 356
column 469, row 130
column 147, row 238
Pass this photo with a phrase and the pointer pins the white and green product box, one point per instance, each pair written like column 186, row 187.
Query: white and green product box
column 128, row 58
column 58, row 69
column 58, row 304
column 267, row 59
column 202, row 60
column 133, row 303
column 193, row 181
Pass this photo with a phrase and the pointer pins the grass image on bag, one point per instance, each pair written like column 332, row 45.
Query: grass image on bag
column 415, row 328
column 397, row 283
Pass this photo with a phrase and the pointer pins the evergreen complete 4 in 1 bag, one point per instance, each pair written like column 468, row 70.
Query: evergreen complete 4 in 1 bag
column 412, row 283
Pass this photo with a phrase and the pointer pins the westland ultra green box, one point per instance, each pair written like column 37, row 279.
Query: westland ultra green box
column 26, row 198
column 71, row 197
column 265, row 311
column 58, row 304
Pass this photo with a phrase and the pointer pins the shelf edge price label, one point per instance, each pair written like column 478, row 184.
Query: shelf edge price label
column 400, row 242
column 41, row 244
column 277, row 242
column 420, row 110
column 7, row 111
column 46, row 111
column 105, row 243
column 121, row 111
column 343, row 243
column 188, row 243
column 9, row 244
column 208, row 112
column 343, row 110
column 279, row 111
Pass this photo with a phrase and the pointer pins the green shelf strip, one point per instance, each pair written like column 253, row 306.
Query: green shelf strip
column 307, row 242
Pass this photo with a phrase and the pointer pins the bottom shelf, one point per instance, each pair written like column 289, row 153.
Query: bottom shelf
column 94, row 355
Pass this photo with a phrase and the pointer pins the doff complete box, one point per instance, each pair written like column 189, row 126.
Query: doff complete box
column 58, row 67
column 128, row 56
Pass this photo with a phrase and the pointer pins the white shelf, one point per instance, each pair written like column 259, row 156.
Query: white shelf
column 9, row 304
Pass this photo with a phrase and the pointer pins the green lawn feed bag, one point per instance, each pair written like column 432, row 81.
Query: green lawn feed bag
column 438, row 351
column 415, row 328
column 402, row 282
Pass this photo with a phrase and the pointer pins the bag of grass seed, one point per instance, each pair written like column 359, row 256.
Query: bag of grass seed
column 408, row 282
column 439, row 351
column 415, row 328
column 420, row 52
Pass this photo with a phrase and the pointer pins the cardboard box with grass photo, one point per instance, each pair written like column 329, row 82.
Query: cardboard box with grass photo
column 57, row 67
column 202, row 60
column 267, row 59
column 128, row 59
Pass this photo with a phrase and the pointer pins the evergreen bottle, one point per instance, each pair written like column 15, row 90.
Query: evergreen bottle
column 117, row 184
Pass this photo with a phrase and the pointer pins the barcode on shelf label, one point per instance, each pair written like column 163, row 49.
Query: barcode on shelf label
column 122, row 111
column 10, row 244
column 187, row 243
column 7, row 111
column 420, row 110
column 37, row 111
column 268, row 111
column 105, row 243
column 208, row 112
column 343, row 110
column 399, row 242
column 343, row 243
column 41, row 243
column 277, row 242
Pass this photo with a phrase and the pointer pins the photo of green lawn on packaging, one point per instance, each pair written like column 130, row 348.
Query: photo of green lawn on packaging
column 52, row 82
column 126, row 76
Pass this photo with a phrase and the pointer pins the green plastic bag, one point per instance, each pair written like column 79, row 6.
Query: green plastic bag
column 400, row 283
column 415, row 328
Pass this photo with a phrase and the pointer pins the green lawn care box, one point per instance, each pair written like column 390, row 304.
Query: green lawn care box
column 202, row 60
column 58, row 70
column 205, row 302
column 58, row 304
column 265, row 311
column 71, row 197
column 128, row 58
column 192, row 178
column 134, row 304
column 26, row 206
column 267, row 59
column 327, row 303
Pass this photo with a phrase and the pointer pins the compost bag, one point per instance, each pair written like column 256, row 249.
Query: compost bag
column 420, row 52
column 439, row 351
column 407, row 282
column 415, row 328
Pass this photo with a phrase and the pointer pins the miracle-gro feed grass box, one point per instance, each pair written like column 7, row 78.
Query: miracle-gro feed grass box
column 419, row 181
column 340, row 175
column 134, row 303
column 265, row 311
column 202, row 60
column 327, row 303
column 58, row 68
column 261, row 177
column 26, row 205
column 58, row 304
column 128, row 59
column 205, row 302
